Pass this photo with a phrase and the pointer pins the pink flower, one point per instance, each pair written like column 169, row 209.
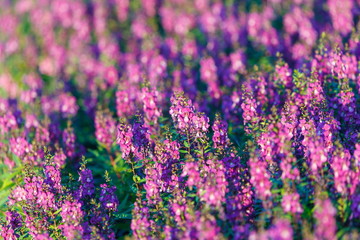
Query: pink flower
column 291, row 203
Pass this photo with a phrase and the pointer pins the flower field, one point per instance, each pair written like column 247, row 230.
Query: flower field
column 180, row 119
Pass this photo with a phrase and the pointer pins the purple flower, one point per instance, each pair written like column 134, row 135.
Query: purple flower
column 283, row 75
column 355, row 206
column 87, row 187
column 220, row 137
column 68, row 137
column 8, row 229
column 34, row 193
column 42, row 136
column 28, row 96
column 288, row 171
column 156, row 69
column 53, row 177
column 202, row 226
column 141, row 139
column 111, row 75
column 108, row 198
column 13, row 219
column 240, row 196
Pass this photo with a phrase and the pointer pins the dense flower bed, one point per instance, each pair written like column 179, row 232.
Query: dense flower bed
column 179, row 119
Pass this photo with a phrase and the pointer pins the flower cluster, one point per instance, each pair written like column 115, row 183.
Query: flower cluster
column 48, row 210
column 106, row 108
column 186, row 119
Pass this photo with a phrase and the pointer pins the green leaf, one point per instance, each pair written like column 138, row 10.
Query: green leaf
column 123, row 215
column 342, row 232
column 58, row 211
column 136, row 178
column 95, row 152
column 133, row 189
column 142, row 180
column 123, row 202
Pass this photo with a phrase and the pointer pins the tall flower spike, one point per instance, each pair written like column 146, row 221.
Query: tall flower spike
column 249, row 114
column 69, row 142
column 187, row 121
column 124, row 105
column 291, row 203
column 87, row 187
column 208, row 73
column 260, row 178
column 141, row 139
column 220, row 137
column 281, row 230
column 325, row 219
column 150, row 101
column 72, row 216
column 108, row 198
column 124, row 139
column 105, row 128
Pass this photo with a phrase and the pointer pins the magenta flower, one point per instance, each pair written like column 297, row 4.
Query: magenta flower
column 68, row 106
column 291, row 203
column 19, row 146
column 124, row 139
column 150, row 101
column 68, row 137
column 187, row 121
column 105, row 128
column 124, row 105
column 325, row 219
column 71, row 212
column 341, row 15
column 260, row 178
column 281, row 230
column 208, row 73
